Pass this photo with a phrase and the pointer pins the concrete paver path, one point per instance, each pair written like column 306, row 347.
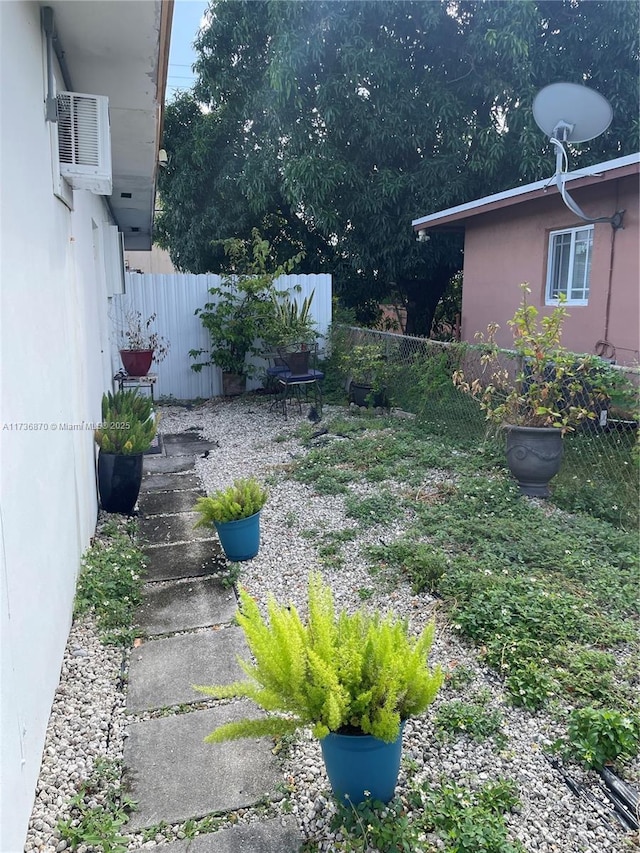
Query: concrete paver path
column 188, row 637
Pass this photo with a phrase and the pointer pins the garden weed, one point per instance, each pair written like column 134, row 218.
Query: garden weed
column 98, row 826
column 472, row 718
column 110, row 583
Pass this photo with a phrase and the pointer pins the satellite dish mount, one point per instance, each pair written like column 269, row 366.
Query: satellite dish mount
column 568, row 112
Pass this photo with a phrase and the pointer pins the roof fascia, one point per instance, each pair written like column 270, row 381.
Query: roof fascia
column 611, row 170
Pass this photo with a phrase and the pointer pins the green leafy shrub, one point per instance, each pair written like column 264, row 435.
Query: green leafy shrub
column 600, row 736
column 245, row 498
column 554, row 387
column 127, row 423
column 242, row 308
column 356, row 671
column 110, row 583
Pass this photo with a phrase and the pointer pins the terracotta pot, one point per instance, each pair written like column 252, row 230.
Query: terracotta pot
column 137, row 362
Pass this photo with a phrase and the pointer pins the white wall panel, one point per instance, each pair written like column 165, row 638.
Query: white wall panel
column 174, row 299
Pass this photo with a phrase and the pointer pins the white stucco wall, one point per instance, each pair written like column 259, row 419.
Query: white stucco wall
column 55, row 366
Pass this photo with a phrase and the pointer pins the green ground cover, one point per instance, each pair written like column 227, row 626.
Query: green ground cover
column 548, row 596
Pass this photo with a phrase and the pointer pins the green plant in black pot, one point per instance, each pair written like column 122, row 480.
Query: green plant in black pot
column 354, row 677
column 367, row 370
column 128, row 428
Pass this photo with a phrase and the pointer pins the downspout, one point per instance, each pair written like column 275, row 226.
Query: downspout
column 603, row 347
column 53, row 46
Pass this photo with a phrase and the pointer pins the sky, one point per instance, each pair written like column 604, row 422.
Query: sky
column 187, row 19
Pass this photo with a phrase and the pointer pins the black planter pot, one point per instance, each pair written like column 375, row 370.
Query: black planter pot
column 363, row 395
column 233, row 384
column 119, row 479
column 534, row 456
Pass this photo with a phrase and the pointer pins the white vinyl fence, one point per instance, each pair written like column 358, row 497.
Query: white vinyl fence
column 174, row 299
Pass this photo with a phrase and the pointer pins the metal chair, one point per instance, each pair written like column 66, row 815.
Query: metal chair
column 292, row 380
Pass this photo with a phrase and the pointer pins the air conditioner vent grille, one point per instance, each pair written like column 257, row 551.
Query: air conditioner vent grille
column 84, row 145
column 78, row 130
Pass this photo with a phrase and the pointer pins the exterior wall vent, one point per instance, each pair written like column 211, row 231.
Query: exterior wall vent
column 84, row 141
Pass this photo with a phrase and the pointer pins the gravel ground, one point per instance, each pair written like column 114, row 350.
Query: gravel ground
column 88, row 721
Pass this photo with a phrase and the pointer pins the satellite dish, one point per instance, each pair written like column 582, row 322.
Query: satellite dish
column 568, row 112
column 571, row 113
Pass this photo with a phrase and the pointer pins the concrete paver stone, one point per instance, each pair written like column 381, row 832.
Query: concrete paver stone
column 167, row 503
column 165, row 529
column 182, row 445
column 168, row 464
column 276, row 835
column 184, row 560
column 174, row 776
column 184, row 605
column 169, row 482
column 162, row 672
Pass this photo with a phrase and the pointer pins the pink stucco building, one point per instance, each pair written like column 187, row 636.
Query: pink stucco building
column 528, row 234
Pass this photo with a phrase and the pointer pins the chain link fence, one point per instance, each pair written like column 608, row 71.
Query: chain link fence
column 600, row 469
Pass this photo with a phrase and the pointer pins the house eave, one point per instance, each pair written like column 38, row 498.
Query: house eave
column 445, row 219
column 121, row 50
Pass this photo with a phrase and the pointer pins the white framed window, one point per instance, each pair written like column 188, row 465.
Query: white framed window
column 569, row 265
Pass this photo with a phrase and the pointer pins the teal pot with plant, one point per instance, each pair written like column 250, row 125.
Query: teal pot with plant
column 240, row 540
column 235, row 514
column 127, row 430
column 534, row 457
column 362, row 767
column 356, row 675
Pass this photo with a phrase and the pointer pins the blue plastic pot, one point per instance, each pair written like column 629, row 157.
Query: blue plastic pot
column 240, row 539
column 362, row 767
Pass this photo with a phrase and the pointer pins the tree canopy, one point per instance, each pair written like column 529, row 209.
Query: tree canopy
column 329, row 126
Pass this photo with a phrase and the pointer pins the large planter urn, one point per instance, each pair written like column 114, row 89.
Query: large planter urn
column 119, row 479
column 361, row 767
column 534, row 457
column 137, row 362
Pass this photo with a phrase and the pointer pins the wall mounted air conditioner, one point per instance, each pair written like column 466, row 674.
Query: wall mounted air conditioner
column 84, row 141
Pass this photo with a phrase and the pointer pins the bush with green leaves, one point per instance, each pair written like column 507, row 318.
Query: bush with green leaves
column 127, row 423
column 601, row 736
column 553, row 388
column 359, row 672
column 244, row 498
column 242, row 308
